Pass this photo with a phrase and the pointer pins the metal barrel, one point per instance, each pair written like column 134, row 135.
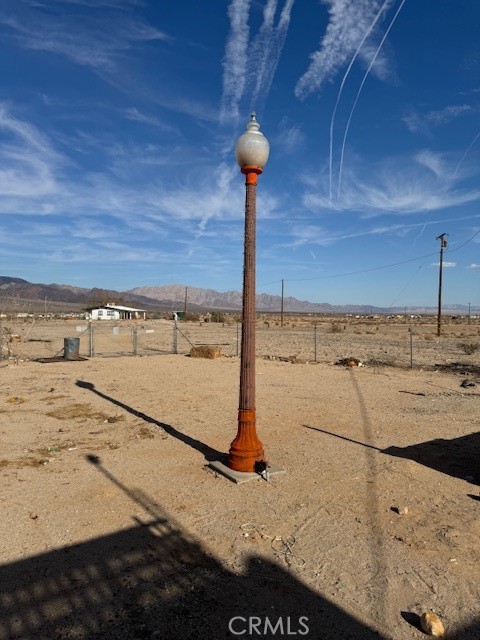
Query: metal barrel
column 71, row 348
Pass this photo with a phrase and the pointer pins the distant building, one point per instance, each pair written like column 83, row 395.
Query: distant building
column 112, row 311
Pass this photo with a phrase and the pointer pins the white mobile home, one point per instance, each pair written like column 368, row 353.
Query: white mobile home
column 112, row 311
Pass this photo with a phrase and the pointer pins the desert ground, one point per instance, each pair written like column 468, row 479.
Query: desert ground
column 113, row 525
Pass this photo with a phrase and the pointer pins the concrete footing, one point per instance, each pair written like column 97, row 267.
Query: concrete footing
column 240, row 477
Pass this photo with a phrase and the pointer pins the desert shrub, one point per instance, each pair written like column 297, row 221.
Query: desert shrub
column 217, row 317
column 428, row 337
column 469, row 347
column 335, row 328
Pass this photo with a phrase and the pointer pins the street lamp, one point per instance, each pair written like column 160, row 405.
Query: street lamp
column 246, row 451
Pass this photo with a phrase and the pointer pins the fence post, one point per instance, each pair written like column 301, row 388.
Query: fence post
column 134, row 340
column 1, row 341
column 91, row 350
column 175, row 349
column 315, row 342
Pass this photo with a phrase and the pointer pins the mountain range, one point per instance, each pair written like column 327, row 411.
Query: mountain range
column 21, row 295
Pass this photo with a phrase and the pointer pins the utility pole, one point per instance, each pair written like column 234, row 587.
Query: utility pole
column 281, row 308
column 443, row 244
column 469, row 313
column 185, row 305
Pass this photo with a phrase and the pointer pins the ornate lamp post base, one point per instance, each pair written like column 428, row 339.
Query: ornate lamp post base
column 246, row 451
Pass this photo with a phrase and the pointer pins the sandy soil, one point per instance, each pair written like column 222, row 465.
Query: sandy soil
column 114, row 527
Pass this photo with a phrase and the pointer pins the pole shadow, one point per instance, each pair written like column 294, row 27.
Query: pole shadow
column 458, row 457
column 209, row 453
column 154, row 580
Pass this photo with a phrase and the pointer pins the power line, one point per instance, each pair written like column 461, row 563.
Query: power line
column 385, row 266
column 466, row 242
column 405, row 287
column 352, row 273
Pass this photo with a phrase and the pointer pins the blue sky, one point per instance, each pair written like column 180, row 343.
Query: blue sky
column 118, row 120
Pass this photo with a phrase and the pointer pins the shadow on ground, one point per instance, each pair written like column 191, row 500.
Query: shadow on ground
column 209, row 453
column 459, row 457
column 154, row 580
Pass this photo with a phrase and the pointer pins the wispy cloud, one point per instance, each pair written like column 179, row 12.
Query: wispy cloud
column 446, row 264
column 394, row 186
column 414, row 121
column 133, row 113
column 290, row 137
column 113, row 53
column 447, row 114
column 348, row 23
column 90, row 213
column 421, row 123
column 111, row 4
column 302, row 235
column 474, row 265
column 433, row 161
column 27, row 160
column 81, row 38
column 250, row 76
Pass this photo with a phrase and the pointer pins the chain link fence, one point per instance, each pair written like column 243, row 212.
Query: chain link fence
column 370, row 342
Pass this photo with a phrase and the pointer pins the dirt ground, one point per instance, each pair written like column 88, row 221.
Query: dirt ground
column 113, row 526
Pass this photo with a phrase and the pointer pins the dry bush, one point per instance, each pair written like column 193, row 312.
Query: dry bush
column 335, row 328
column 469, row 347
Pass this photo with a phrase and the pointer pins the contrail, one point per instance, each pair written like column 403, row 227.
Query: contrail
column 235, row 62
column 252, row 66
column 360, row 91
column 354, row 57
column 465, row 154
column 267, row 47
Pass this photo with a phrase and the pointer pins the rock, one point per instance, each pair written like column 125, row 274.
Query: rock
column 400, row 510
column 432, row 624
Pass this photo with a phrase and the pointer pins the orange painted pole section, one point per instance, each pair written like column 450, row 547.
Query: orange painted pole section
column 246, row 449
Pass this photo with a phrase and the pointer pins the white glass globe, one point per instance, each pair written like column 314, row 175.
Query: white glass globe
column 252, row 148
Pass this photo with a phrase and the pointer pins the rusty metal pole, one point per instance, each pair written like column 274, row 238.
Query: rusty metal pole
column 281, row 308
column 443, row 244
column 246, row 450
